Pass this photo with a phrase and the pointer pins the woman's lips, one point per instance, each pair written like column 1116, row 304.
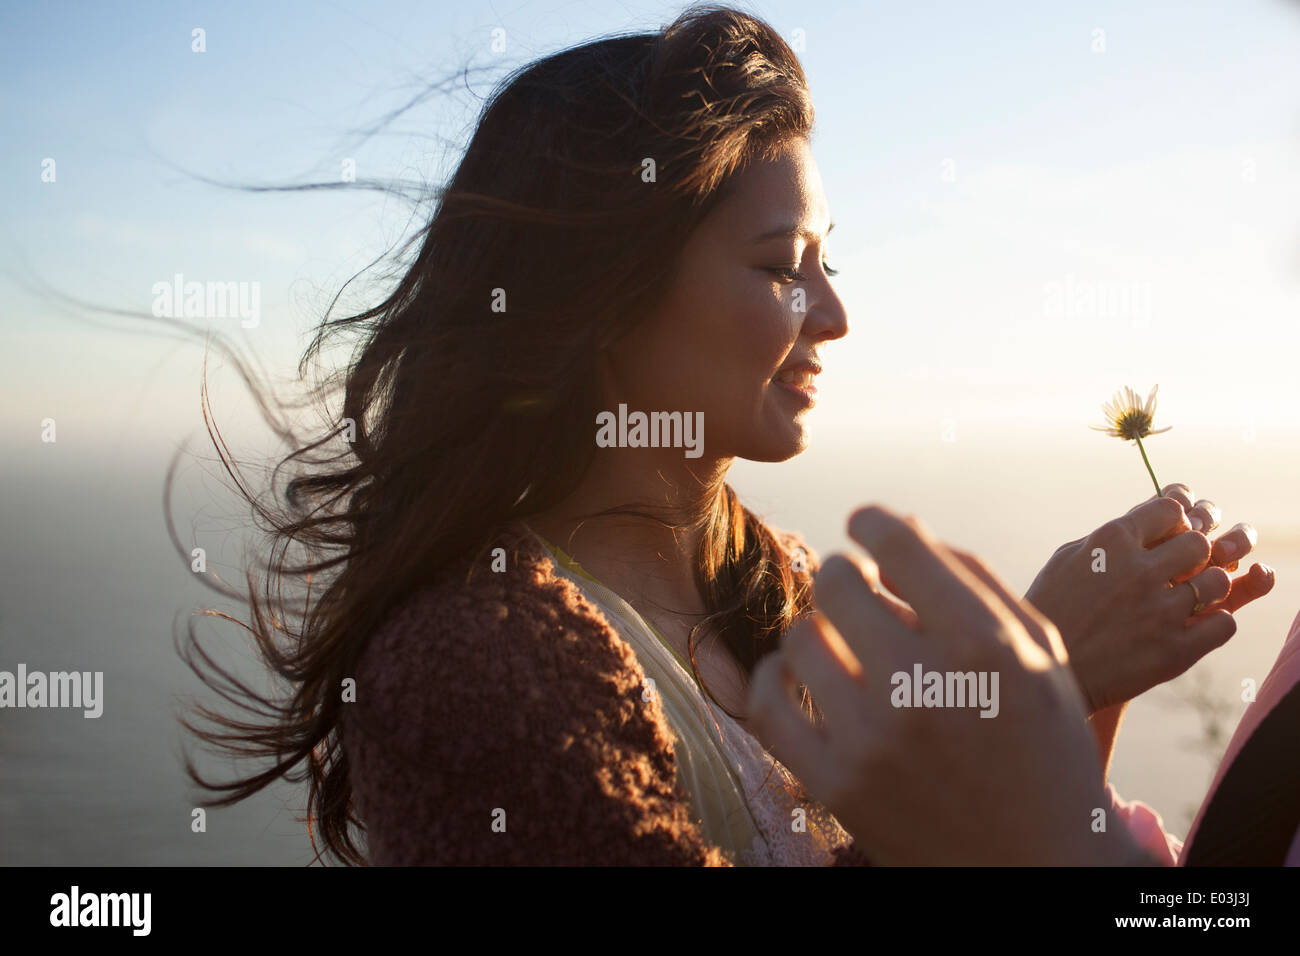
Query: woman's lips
column 805, row 395
column 797, row 381
column 801, row 375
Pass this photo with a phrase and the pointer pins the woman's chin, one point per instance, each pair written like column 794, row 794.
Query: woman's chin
column 781, row 444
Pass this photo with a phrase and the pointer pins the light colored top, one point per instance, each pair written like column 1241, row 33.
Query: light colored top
column 745, row 801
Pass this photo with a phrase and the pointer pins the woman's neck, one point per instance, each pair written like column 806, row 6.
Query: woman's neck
column 636, row 556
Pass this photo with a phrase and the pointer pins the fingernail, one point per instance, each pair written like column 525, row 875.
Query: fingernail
column 1197, row 523
column 1227, row 549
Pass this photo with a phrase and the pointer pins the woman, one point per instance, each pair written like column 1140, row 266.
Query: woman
column 545, row 604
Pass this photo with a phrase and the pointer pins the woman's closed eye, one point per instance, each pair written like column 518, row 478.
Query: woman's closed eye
column 792, row 274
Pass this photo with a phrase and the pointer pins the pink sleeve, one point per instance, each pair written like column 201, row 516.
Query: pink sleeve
column 1147, row 828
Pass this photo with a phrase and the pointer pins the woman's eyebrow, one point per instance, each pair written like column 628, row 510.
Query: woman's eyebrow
column 791, row 232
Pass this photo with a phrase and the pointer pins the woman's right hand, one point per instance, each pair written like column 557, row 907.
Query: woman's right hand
column 941, row 785
column 1121, row 602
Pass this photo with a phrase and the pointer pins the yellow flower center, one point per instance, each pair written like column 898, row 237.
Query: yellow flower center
column 1133, row 424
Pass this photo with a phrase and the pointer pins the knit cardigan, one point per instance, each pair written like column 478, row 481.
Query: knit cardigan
column 499, row 719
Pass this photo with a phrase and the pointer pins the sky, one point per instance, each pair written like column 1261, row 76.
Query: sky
column 1035, row 203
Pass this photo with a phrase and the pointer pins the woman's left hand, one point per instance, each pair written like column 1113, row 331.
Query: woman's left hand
column 1120, row 601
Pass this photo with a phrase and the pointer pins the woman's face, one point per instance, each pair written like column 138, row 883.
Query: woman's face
column 739, row 334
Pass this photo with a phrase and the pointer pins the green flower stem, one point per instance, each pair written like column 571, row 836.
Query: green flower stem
column 1147, row 462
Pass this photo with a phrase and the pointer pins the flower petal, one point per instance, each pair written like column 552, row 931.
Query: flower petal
column 1151, row 402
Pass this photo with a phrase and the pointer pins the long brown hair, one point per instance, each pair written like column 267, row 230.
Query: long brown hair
column 585, row 175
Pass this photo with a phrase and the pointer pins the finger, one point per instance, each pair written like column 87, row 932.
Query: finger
column 1211, row 586
column 946, row 598
column 868, row 624
column 1230, row 547
column 1180, row 493
column 1039, row 627
column 1181, row 556
column 1156, row 520
column 778, row 722
column 870, row 572
column 1204, row 516
column 1202, row 636
column 1255, row 583
column 818, row 657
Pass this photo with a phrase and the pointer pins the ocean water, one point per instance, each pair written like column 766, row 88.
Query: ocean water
column 91, row 583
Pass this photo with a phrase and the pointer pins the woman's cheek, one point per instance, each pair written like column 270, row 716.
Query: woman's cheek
column 776, row 334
